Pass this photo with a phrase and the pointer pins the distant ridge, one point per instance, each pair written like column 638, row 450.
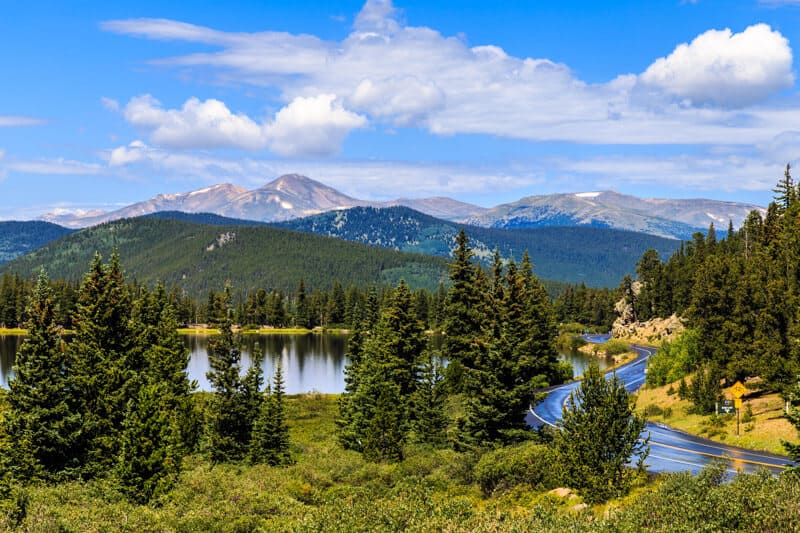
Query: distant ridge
column 287, row 197
column 295, row 196
column 676, row 219
column 20, row 237
column 596, row 256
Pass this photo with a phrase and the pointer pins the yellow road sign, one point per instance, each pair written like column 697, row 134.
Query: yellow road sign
column 738, row 389
column 737, row 403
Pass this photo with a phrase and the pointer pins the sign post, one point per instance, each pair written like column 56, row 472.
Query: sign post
column 738, row 391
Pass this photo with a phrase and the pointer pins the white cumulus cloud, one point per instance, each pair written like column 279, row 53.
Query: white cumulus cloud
column 306, row 126
column 125, row 155
column 725, row 68
column 207, row 124
column 723, row 90
column 406, row 100
column 390, row 71
column 311, row 126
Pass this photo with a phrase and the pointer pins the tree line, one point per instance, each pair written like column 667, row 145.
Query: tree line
column 739, row 295
column 305, row 307
column 114, row 400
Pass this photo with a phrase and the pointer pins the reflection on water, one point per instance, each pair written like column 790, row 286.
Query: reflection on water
column 580, row 361
column 9, row 344
column 309, row 362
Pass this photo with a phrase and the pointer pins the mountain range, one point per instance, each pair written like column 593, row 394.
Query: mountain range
column 675, row 218
column 597, row 256
column 294, row 196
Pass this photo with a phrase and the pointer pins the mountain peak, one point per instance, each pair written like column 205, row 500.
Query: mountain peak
column 292, row 181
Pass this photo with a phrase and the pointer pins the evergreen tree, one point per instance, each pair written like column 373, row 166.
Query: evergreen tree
column 166, row 361
column 386, row 430
column 599, row 436
column 649, row 273
column 149, row 459
column 465, row 315
column 270, row 440
column 160, row 424
column 793, row 449
column 386, row 360
column 336, row 304
column 521, row 358
column 350, row 421
column 705, row 390
column 428, row 401
column 105, row 365
column 399, row 340
column 232, row 408
column 41, row 425
column 302, row 312
column 785, row 191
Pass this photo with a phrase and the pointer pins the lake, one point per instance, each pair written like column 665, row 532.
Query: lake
column 309, row 362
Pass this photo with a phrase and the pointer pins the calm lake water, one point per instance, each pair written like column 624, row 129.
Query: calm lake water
column 309, row 362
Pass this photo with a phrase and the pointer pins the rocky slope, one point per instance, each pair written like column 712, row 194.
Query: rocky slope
column 676, row 219
column 294, row 196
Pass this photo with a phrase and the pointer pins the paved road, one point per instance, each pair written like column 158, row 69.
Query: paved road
column 670, row 450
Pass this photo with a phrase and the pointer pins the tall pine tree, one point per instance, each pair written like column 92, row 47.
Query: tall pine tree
column 41, row 426
column 270, row 440
column 235, row 402
column 105, row 365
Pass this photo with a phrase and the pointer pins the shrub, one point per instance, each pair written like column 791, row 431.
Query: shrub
column 565, row 371
column 673, row 360
column 571, row 327
column 683, row 390
column 653, row 410
column 747, row 416
column 528, row 463
column 705, row 391
column 615, row 347
column 570, row 342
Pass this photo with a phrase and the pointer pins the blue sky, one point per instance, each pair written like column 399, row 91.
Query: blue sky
column 106, row 103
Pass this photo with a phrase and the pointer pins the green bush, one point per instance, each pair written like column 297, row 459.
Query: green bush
column 571, row 327
column 747, row 416
column 615, row 347
column 528, row 463
column 673, row 360
column 653, row 410
column 570, row 341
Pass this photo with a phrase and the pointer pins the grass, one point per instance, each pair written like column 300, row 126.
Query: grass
column 765, row 432
column 329, row 489
column 326, row 489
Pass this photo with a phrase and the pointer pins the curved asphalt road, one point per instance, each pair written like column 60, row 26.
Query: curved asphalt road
column 670, row 450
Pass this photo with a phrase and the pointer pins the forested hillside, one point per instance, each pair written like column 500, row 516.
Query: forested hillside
column 741, row 298
column 599, row 257
column 18, row 238
column 201, row 257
